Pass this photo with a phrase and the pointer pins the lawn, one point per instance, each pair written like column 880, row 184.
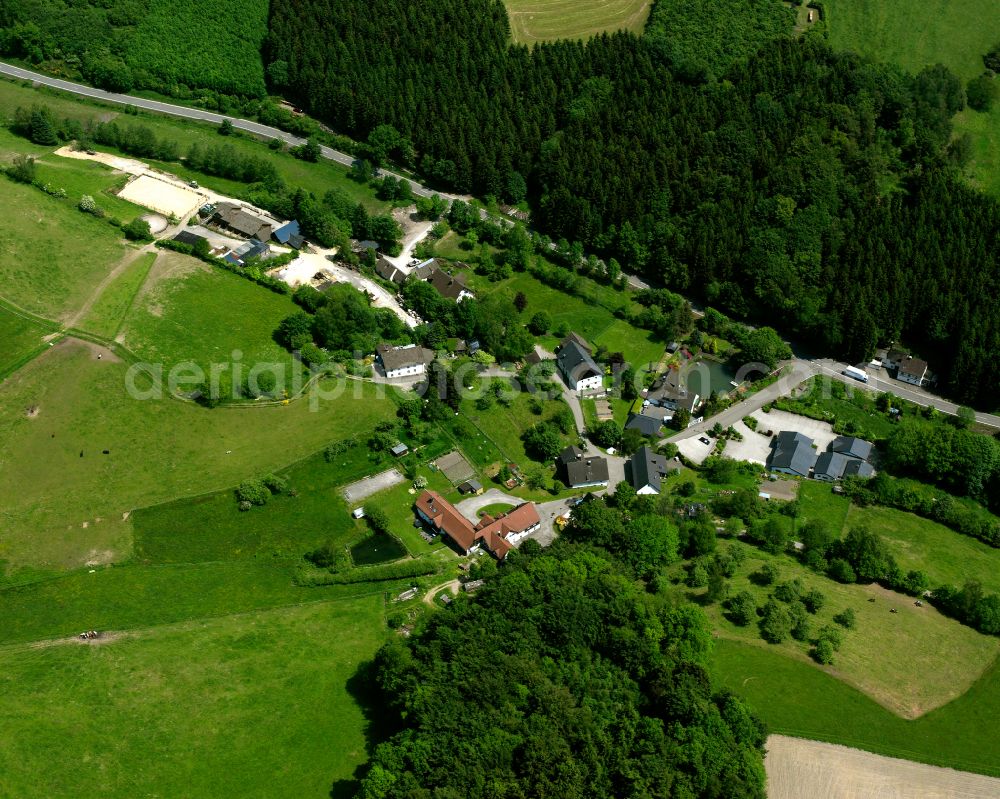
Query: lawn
column 63, row 502
column 818, row 502
column 795, row 698
column 88, row 177
column 22, row 338
column 910, row 661
column 537, row 20
column 945, row 556
column 853, row 409
column 398, row 501
column 191, row 311
column 54, row 256
column 211, row 527
column 246, row 705
column 917, row 33
column 106, row 315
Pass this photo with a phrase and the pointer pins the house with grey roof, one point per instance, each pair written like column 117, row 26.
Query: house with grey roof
column 577, row 469
column 578, row 368
column 913, row 371
column 852, row 447
column 650, row 421
column 830, row 466
column 403, row 361
column 670, row 391
column 792, row 454
column 242, row 221
column 646, row 470
column 451, row 287
column 387, row 270
column 856, row 468
column 577, row 339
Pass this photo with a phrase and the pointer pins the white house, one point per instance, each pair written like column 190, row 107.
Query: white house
column 404, row 361
column 913, row 371
column 578, row 368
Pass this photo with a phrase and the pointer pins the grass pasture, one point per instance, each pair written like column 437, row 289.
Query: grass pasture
column 190, row 311
column 108, row 311
column 53, row 256
column 910, row 661
column 540, row 20
column 22, row 338
column 918, row 543
column 797, row 699
column 80, row 177
column 918, row 33
column 180, row 710
column 60, row 508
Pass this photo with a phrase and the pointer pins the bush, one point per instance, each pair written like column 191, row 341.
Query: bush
column 742, row 609
column 831, row 634
column 822, row 652
column 137, row 230
column 766, row 574
column 814, row 601
column 274, row 484
column 841, row 571
column 981, row 93
column 377, row 518
column 846, row 619
column 775, row 623
column 252, row 491
column 400, row 570
column 789, row 591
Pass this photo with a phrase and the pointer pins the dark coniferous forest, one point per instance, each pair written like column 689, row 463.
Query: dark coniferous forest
column 805, row 186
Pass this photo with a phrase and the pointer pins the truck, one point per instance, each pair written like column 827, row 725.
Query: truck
column 857, row 374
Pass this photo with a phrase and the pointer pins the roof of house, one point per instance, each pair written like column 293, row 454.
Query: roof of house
column 672, row 387
column 578, row 339
column 284, row 233
column 187, row 237
column 586, row 470
column 251, row 249
column 854, row 447
column 400, row 449
column 491, row 532
column 648, row 422
column 856, row 468
column 831, row 465
column 793, row 451
column 244, row 222
column 296, row 242
column 896, row 355
column 648, row 468
column 448, row 286
column 387, row 270
column 399, row 357
column 575, row 362
column 533, row 358
column 913, row 367
column 422, row 271
column 446, row 518
column 470, row 487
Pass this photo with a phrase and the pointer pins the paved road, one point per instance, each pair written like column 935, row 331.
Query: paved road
column 264, row 131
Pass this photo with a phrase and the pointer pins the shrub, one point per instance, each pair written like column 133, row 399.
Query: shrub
column 766, row 574
column 788, row 591
column 742, row 608
column 377, row 518
column 697, row 576
column 841, row 571
column 775, row 623
column 137, row 230
column 252, row 491
column 822, row 652
column 981, row 93
column 813, row 601
column 274, row 484
column 831, row 634
column 846, row 619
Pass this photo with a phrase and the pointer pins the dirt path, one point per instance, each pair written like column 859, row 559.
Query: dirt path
column 797, row 768
column 451, row 585
column 123, row 264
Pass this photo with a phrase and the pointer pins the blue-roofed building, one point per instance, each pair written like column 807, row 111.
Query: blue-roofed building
column 284, row 233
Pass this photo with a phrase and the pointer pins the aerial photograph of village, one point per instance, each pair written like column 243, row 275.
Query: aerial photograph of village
column 500, row 399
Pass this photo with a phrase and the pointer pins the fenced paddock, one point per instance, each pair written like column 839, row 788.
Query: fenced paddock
column 161, row 195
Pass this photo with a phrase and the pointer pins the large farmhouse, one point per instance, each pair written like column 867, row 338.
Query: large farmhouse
column 496, row 535
column 579, row 470
column 403, row 361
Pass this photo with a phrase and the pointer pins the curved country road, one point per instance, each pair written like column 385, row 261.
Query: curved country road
column 264, row 131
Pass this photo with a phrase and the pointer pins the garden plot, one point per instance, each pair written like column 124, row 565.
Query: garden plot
column 455, row 467
column 161, row 196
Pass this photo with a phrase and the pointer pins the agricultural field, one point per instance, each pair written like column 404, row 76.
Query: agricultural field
column 915, row 34
column 910, row 661
column 141, row 703
column 538, row 20
column 63, row 502
column 795, row 698
column 191, row 311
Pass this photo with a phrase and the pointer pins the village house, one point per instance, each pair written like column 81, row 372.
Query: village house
column 649, row 421
column 387, row 270
column 290, row 235
column 912, row 370
column 579, row 470
column 792, row 454
column 646, row 471
column 670, row 391
column 495, row 535
column 403, row 361
column 451, row 287
column 242, row 222
column 577, row 367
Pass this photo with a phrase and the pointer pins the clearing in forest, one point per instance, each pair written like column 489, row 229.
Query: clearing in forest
column 540, row 20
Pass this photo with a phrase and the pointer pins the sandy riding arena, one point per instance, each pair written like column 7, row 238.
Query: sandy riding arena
column 161, row 196
column 797, row 769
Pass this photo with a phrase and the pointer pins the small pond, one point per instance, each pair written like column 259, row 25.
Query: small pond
column 377, row 548
column 718, row 376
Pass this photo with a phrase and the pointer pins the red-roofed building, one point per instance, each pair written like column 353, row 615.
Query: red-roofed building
column 498, row 535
